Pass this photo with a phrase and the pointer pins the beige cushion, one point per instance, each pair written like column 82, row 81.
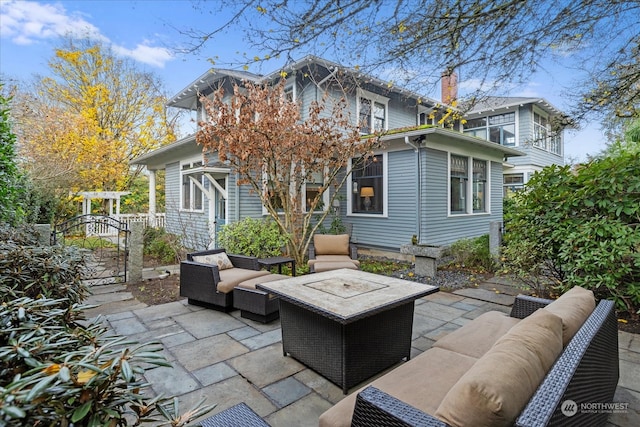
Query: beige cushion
column 573, row 307
column 328, row 266
column 220, row 259
column 231, row 277
column 497, row 388
column 421, row 382
column 334, row 258
column 331, row 244
column 477, row 337
column 251, row 283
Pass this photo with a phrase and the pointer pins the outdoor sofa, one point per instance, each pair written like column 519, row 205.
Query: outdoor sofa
column 523, row 369
column 332, row 252
column 208, row 278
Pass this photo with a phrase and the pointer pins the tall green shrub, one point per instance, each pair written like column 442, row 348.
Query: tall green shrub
column 252, row 237
column 580, row 227
column 11, row 210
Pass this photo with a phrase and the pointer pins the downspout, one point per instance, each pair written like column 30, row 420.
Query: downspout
column 416, row 148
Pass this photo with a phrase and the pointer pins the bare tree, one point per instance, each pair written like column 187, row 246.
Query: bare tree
column 498, row 43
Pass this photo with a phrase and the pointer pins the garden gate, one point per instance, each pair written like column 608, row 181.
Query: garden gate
column 104, row 242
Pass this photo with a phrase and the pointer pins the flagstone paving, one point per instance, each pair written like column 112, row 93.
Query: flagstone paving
column 227, row 359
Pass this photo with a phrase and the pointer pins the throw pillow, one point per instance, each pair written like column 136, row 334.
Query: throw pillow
column 220, row 259
column 498, row 386
column 573, row 307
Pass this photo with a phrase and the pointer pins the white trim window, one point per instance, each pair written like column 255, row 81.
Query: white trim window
column 499, row 128
column 372, row 112
column 368, row 185
column 468, row 196
column 543, row 136
column 191, row 196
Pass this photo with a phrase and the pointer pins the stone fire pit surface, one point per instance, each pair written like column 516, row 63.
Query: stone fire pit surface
column 346, row 292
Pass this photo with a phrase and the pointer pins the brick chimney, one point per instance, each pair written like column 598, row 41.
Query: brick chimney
column 449, row 86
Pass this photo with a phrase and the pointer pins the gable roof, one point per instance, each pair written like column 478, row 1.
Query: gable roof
column 187, row 97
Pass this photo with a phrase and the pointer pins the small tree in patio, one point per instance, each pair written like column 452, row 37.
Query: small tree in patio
column 289, row 163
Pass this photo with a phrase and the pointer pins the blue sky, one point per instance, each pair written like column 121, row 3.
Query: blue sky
column 147, row 30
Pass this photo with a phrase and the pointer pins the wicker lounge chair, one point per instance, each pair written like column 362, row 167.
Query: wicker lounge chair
column 206, row 283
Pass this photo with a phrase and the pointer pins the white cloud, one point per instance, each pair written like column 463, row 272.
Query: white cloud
column 27, row 22
column 156, row 56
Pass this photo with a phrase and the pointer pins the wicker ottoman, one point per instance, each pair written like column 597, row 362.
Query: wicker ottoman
column 255, row 304
column 237, row 415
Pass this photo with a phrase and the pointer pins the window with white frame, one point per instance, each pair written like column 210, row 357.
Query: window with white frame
column 310, row 189
column 540, row 130
column 468, row 195
column 372, row 112
column 513, row 183
column 192, row 196
column 499, row 128
column 367, row 185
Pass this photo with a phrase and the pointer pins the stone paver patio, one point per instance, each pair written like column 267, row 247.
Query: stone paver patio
column 228, row 359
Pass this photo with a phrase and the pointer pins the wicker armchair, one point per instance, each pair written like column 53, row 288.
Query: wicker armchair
column 206, row 285
column 331, row 252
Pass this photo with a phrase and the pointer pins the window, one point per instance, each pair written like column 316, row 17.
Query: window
column 540, row 131
column 372, row 112
column 192, row 197
column 367, row 185
column 513, row 183
column 500, row 128
column 460, row 186
column 312, row 188
column 459, row 178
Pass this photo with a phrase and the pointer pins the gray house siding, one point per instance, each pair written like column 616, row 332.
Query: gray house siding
column 400, row 224
column 437, row 227
column 534, row 156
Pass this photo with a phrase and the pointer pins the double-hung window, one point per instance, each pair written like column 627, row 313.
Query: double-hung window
column 192, row 196
column 367, row 185
column 467, row 195
column 372, row 112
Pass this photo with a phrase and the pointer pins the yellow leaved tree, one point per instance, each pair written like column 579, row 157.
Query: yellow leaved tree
column 80, row 127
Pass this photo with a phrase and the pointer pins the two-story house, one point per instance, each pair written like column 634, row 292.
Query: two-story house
column 428, row 180
column 526, row 124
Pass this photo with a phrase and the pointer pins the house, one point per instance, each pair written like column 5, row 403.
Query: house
column 430, row 180
column 531, row 125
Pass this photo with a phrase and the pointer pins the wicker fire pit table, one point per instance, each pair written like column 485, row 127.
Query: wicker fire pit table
column 347, row 325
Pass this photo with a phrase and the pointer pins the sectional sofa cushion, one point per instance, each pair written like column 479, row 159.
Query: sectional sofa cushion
column 421, row 382
column 573, row 307
column 477, row 337
column 220, row 259
column 232, row 277
column 331, row 244
column 498, row 386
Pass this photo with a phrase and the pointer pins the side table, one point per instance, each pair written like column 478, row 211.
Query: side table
column 278, row 261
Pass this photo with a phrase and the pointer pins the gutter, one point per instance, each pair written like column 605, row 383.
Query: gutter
column 416, row 148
